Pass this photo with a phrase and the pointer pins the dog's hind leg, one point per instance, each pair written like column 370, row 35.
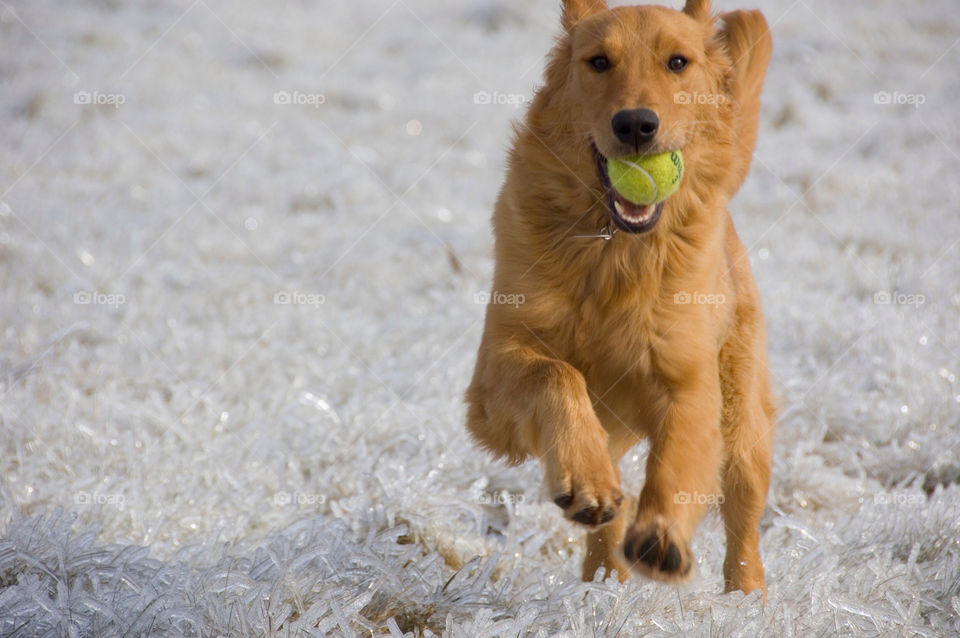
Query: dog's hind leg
column 603, row 546
column 747, row 427
column 747, row 436
column 746, row 477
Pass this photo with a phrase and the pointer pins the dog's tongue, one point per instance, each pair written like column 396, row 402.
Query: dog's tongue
column 630, row 212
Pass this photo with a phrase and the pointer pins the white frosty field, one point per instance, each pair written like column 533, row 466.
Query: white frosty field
column 241, row 245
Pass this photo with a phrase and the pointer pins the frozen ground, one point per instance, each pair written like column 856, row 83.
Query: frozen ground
column 184, row 455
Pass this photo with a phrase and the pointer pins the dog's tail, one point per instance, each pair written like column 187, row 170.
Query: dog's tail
column 746, row 37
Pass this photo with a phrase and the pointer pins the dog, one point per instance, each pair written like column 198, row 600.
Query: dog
column 638, row 321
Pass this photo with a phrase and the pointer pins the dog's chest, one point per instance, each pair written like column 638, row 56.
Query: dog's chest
column 613, row 342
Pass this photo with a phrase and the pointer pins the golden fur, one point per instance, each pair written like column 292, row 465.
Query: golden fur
column 603, row 351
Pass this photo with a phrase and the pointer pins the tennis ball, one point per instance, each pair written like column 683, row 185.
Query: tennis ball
column 646, row 179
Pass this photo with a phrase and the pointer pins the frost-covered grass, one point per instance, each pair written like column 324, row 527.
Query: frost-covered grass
column 236, row 331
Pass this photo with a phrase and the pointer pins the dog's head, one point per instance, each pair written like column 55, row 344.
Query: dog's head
column 638, row 80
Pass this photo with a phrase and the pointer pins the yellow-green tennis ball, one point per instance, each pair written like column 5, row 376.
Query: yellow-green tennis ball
column 646, row 179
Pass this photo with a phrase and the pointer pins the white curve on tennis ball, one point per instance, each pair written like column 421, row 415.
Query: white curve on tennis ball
column 653, row 183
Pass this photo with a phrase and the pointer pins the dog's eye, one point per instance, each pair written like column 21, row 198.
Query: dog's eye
column 677, row 63
column 599, row 63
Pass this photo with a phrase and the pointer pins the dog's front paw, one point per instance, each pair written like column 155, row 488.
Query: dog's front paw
column 656, row 550
column 590, row 507
column 583, row 482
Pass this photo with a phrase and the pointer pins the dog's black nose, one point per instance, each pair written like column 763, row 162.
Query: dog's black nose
column 635, row 126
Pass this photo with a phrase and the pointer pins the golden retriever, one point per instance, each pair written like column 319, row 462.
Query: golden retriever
column 637, row 321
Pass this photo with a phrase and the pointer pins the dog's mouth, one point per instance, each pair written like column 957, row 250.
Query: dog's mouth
column 625, row 214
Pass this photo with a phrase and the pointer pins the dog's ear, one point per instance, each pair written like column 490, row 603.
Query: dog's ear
column 698, row 9
column 745, row 39
column 576, row 10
